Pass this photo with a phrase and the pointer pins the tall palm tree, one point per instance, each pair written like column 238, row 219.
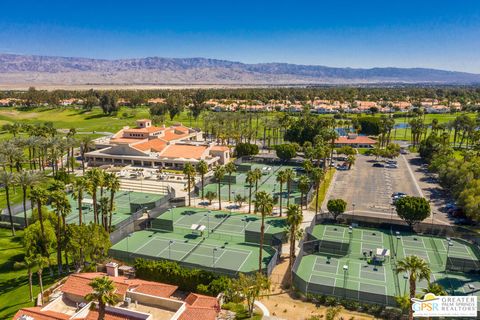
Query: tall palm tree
column 229, row 169
column 41, row 262
column 258, row 176
column 189, row 172
column 202, row 169
column 219, row 173
column 263, row 204
column 62, row 207
column 251, row 178
column 40, row 196
column 85, row 144
column 30, row 263
column 103, row 294
column 317, row 176
column 417, row 270
column 294, row 220
column 7, row 179
column 112, row 183
column 304, row 187
column 95, row 177
column 27, row 179
column 281, row 178
column 289, row 175
column 80, row 185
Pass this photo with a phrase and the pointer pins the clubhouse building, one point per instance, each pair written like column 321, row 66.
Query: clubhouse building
column 156, row 147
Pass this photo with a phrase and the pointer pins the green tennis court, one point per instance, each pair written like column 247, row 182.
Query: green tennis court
column 341, row 261
column 219, row 222
column 268, row 183
column 192, row 251
column 125, row 203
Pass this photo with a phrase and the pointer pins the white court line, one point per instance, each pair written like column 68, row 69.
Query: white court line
column 166, row 248
column 443, row 244
column 142, row 246
column 223, row 252
column 324, row 229
column 376, row 272
column 314, row 264
column 248, row 256
column 423, row 243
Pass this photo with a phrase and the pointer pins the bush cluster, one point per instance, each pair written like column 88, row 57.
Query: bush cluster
column 194, row 280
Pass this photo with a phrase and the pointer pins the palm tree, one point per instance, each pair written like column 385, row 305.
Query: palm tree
column 103, row 294
column 112, row 183
column 281, row 178
column 41, row 262
column 229, row 169
column 417, row 270
column 189, row 172
column 85, row 144
column 27, row 179
column 351, row 161
column 80, row 185
column 289, row 176
column 263, row 204
column 317, row 176
column 7, row 179
column 219, row 173
column 436, row 289
column 40, row 196
column 258, row 176
column 294, row 220
column 95, row 176
column 62, row 207
column 202, row 169
column 251, row 177
column 304, row 187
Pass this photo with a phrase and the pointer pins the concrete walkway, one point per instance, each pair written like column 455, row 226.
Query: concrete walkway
column 262, row 307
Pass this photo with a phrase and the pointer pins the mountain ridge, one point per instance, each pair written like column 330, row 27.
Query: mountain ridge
column 16, row 68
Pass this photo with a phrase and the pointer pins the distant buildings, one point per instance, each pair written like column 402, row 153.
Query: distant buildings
column 138, row 300
column 157, row 147
column 355, row 141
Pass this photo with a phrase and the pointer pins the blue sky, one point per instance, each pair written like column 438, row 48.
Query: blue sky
column 439, row 34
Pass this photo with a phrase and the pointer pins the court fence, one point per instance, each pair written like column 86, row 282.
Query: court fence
column 17, row 214
column 132, row 223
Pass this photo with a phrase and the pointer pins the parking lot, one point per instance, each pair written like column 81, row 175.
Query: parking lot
column 370, row 188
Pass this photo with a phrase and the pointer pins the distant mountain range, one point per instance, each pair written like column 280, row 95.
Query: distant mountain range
column 26, row 69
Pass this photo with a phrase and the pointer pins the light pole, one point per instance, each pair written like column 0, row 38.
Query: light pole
column 353, row 212
column 398, row 238
column 208, row 221
column 450, row 244
column 405, row 278
column 169, row 250
column 345, row 270
column 213, row 255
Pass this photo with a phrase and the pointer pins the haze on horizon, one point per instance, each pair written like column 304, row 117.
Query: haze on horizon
column 429, row 34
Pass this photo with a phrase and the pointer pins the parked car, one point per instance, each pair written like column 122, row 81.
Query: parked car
column 391, row 166
column 398, row 194
column 389, row 161
column 378, row 165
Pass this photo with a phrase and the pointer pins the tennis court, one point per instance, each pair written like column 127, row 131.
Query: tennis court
column 192, row 251
column 268, row 183
column 222, row 225
column 360, row 263
column 125, row 203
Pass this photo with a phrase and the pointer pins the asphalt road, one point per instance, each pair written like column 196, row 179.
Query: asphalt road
column 370, row 188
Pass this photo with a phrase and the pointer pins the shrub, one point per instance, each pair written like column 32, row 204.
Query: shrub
column 331, row 301
column 186, row 279
column 246, row 149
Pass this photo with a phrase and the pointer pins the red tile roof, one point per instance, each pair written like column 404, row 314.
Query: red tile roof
column 156, row 145
column 198, row 300
column 93, row 315
column 79, row 284
column 144, row 130
column 37, row 314
column 356, row 140
column 192, row 313
column 183, row 151
column 220, row 148
column 152, row 288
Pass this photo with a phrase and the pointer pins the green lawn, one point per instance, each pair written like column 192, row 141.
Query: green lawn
column 14, row 283
column 323, row 189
